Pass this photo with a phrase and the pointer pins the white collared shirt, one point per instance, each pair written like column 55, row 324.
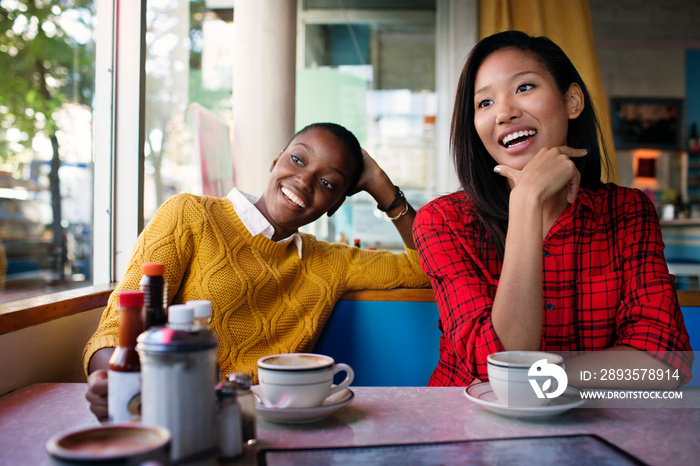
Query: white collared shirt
column 254, row 220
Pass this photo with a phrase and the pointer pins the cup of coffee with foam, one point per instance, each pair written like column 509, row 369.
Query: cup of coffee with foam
column 300, row 380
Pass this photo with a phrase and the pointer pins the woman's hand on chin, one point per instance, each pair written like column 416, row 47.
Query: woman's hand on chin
column 549, row 172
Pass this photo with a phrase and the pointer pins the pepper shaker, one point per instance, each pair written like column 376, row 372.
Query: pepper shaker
column 229, row 432
column 241, row 382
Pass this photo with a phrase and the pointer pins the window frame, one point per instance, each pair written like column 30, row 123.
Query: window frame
column 119, row 136
column 119, row 115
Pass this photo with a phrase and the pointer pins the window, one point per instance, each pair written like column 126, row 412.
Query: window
column 163, row 125
column 373, row 71
column 375, row 74
column 189, row 117
column 47, row 54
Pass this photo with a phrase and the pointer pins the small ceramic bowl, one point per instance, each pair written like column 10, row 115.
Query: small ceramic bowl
column 116, row 444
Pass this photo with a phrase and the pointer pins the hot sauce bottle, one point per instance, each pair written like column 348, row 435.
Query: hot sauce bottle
column 155, row 290
column 124, row 380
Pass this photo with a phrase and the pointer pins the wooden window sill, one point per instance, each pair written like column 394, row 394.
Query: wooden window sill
column 33, row 311
column 423, row 295
column 37, row 310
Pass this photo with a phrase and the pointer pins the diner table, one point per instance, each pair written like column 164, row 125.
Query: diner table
column 384, row 416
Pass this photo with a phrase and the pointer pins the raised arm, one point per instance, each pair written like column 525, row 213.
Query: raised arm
column 376, row 182
column 540, row 193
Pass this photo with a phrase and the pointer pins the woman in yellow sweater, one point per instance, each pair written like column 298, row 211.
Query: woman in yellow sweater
column 271, row 287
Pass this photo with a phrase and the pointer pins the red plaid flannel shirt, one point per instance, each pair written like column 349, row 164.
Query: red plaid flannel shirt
column 605, row 280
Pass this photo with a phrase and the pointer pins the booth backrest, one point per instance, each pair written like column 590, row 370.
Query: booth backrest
column 387, row 343
column 691, row 316
column 396, row 343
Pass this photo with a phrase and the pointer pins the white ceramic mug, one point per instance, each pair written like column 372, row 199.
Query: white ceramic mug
column 517, row 381
column 300, row 380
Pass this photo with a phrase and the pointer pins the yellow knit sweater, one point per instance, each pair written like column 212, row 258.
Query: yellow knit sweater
column 265, row 299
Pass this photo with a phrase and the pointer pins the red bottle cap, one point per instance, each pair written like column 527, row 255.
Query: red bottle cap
column 131, row 299
column 152, row 268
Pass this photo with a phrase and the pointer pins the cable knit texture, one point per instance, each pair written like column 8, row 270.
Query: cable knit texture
column 265, row 299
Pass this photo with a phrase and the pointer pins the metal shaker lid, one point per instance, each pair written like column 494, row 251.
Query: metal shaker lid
column 170, row 340
column 240, row 380
column 225, row 391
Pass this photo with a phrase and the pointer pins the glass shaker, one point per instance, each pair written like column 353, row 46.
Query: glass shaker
column 229, row 435
column 246, row 401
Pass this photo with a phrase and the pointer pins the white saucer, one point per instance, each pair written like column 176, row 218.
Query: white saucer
column 482, row 394
column 305, row 415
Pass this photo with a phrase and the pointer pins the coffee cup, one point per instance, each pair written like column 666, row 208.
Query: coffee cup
column 526, row 378
column 300, row 380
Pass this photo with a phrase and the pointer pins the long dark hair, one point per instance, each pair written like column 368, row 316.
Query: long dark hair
column 350, row 142
column 488, row 191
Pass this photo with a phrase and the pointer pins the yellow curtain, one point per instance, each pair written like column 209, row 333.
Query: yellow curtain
column 568, row 24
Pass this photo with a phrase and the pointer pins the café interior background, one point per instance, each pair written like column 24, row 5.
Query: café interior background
column 370, row 65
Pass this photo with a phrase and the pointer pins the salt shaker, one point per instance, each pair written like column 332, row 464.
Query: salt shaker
column 230, row 437
column 246, row 401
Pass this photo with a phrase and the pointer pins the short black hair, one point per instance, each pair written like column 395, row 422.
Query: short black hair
column 351, row 143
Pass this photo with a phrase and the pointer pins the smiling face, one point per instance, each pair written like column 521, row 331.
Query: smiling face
column 309, row 177
column 518, row 108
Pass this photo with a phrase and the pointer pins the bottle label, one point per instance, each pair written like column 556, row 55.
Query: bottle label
column 124, row 396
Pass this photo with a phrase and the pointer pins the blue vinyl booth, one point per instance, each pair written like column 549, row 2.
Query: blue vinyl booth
column 691, row 316
column 396, row 343
column 387, row 343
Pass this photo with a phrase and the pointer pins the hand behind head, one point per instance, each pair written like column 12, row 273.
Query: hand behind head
column 370, row 177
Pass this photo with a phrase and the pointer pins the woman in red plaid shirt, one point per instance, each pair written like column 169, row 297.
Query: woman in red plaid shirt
column 536, row 252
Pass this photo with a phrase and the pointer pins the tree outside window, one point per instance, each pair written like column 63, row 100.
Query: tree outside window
column 47, row 58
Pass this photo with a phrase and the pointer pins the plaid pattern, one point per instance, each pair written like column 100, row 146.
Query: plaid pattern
column 605, row 279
